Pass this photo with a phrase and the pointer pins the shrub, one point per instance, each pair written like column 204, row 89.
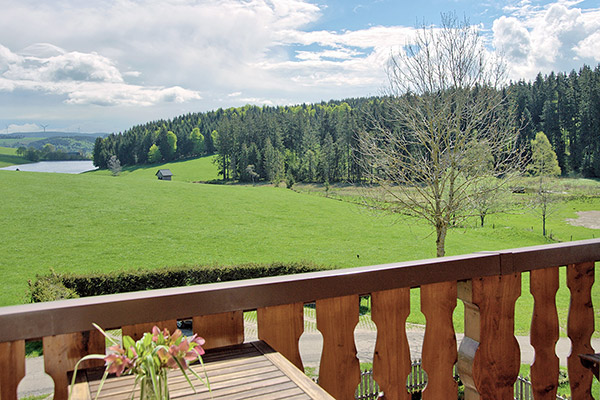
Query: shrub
column 49, row 288
column 62, row 286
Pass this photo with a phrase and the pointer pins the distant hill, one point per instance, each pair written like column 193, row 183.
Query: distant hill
column 65, row 141
column 50, row 134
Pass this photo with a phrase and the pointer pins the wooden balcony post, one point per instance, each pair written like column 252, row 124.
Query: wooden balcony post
column 391, row 361
column 219, row 330
column 339, row 370
column 580, row 327
column 438, row 301
column 544, row 333
column 489, row 356
column 12, row 368
column 62, row 352
column 137, row 331
column 281, row 327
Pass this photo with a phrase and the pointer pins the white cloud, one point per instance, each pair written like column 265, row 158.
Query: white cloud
column 558, row 36
column 168, row 52
column 84, row 78
column 15, row 128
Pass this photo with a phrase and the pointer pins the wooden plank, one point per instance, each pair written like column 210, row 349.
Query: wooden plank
column 544, row 333
column 295, row 374
column 281, row 327
column 391, row 361
column 497, row 356
column 12, row 368
column 438, row 301
column 81, row 389
column 580, row 327
column 219, row 330
column 62, row 352
column 339, row 370
column 136, row 331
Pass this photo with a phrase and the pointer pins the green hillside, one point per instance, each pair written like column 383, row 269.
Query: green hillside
column 92, row 222
column 9, row 157
column 198, row 169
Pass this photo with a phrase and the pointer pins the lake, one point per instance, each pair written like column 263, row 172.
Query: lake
column 61, row 167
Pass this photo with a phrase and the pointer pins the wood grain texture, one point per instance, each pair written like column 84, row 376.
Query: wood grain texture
column 497, row 359
column 62, row 352
column 81, row 389
column 470, row 343
column 391, row 361
column 12, row 368
column 544, row 333
column 295, row 374
column 281, row 327
column 339, row 371
column 219, row 330
column 438, row 301
column 137, row 331
column 580, row 327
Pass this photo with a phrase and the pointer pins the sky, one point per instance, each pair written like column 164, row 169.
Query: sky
column 106, row 65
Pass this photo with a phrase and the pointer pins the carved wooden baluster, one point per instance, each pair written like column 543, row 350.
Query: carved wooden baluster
column 438, row 302
column 490, row 317
column 12, row 368
column 544, row 333
column 281, row 327
column 137, row 331
column 580, row 326
column 391, row 361
column 225, row 329
column 62, row 352
column 339, row 371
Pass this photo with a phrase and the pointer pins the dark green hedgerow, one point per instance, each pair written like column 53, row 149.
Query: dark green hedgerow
column 56, row 286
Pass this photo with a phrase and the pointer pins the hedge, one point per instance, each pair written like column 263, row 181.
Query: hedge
column 55, row 286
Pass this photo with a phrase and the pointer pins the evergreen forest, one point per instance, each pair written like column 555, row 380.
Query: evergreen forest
column 318, row 142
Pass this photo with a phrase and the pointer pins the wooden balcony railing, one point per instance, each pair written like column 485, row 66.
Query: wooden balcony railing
column 488, row 359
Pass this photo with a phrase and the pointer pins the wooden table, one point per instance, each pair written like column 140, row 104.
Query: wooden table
column 591, row 362
column 251, row 370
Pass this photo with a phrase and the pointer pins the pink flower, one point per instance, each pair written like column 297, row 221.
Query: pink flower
column 117, row 363
column 176, row 335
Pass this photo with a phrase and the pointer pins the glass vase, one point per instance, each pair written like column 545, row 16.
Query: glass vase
column 148, row 390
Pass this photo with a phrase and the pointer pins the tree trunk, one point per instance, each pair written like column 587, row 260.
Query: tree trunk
column 544, row 224
column 440, row 241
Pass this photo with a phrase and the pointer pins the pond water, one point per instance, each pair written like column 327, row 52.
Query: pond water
column 61, row 167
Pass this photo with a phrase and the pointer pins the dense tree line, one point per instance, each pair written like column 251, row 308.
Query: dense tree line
column 566, row 107
column 49, row 153
column 318, row 142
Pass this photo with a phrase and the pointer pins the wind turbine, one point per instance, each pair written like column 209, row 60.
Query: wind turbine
column 44, row 126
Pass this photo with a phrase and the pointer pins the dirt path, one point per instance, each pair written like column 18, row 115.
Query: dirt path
column 587, row 219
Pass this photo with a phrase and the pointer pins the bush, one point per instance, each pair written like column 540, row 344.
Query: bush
column 49, row 288
column 64, row 286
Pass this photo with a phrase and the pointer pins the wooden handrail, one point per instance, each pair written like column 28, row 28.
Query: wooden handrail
column 31, row 321
column 488, row 283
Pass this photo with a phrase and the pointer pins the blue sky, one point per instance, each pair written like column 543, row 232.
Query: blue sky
column 105, row 65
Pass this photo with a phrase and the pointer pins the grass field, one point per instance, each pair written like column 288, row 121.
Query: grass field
column 199, row 169
column 96, row 222
column 9, row 157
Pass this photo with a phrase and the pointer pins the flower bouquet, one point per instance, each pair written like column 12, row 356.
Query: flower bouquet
column 149, row 359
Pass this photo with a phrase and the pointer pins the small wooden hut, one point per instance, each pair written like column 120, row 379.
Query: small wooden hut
column 164, row 174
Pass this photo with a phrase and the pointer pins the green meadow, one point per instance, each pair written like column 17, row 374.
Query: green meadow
column 8, row 157
column 97, row 222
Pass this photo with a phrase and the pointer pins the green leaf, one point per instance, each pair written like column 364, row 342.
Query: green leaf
column 88, row 357
column 128, row 342
column 111, row 339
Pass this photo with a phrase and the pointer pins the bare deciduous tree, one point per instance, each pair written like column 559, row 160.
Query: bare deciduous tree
column 446, row 106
